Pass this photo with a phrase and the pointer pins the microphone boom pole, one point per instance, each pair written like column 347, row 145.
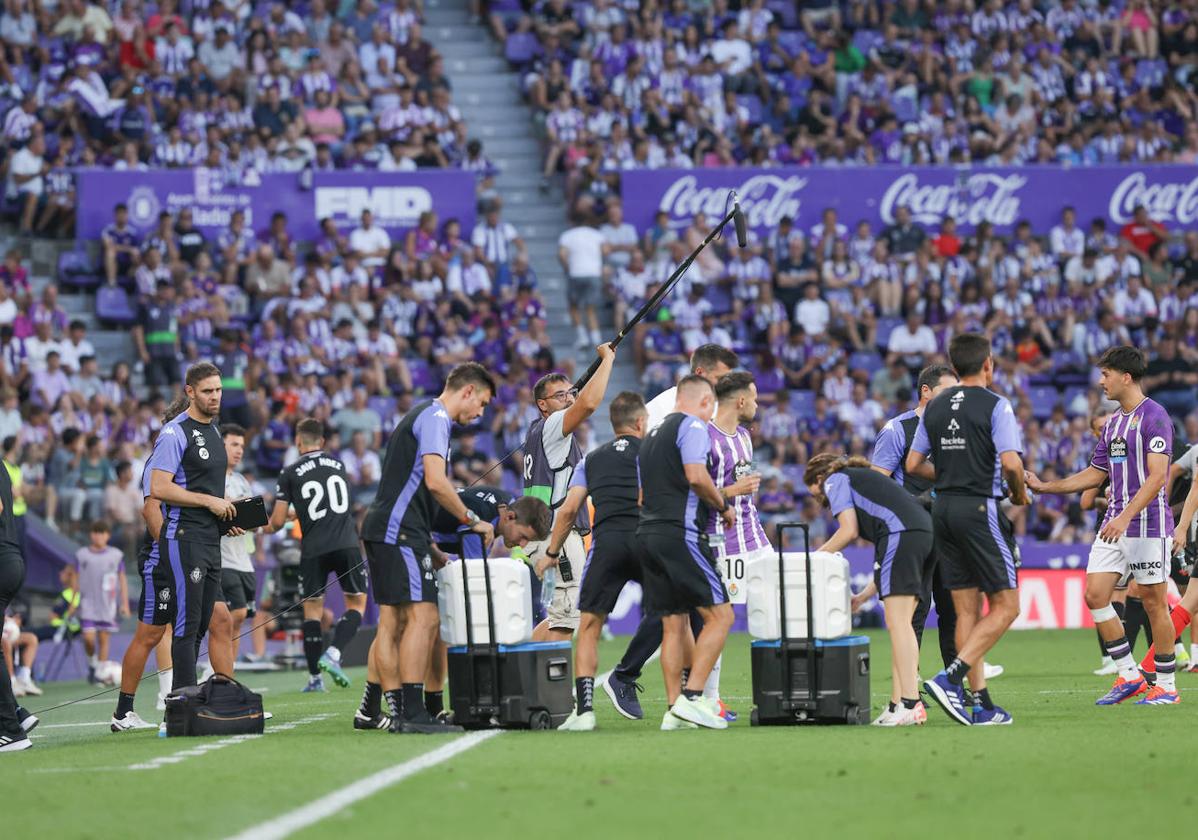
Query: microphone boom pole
column 653, row 302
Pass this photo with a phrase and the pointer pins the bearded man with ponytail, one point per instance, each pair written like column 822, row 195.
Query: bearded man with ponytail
column 870, row 506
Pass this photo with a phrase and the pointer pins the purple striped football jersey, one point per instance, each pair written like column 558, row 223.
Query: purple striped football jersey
column 730, row 459
column 1122, row 452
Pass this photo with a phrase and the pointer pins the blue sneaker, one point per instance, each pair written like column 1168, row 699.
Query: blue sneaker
column 1121, row 690
column 315, row 685
column 333, row 668
column 998, row 716
column 949, row 697
column 1158, row 696
column 623, row 696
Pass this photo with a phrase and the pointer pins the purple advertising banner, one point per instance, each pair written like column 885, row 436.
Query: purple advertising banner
column 396, row 199
column 1035, row 557
column 1002, row 197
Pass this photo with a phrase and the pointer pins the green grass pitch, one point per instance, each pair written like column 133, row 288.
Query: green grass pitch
column 1061, row 770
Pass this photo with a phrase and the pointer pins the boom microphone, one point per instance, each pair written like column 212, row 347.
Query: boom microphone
column 738, row 219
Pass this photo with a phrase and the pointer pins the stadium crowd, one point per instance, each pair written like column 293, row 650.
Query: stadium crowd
column 232, row 86
column 646, row 85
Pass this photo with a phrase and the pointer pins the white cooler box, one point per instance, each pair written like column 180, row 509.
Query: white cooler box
column 510, row 587
column 830, row 596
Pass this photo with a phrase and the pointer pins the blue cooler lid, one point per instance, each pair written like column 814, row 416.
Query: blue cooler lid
column 521, row 647
column 843, row 641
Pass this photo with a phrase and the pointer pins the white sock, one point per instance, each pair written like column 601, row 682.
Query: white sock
column 595, row 337
column 1194, row 654
column 334, row 654
column 1106, row 660
column 23, row 673
column 711, row 688
column 164, row 681
column 1165, row 679
column 93, row 661
column 582, row 333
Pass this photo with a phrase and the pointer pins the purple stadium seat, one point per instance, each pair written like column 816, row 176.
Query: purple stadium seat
column 1150, row 73
column 719, row 297
column 865, row 360
column 72, row 264
column 1043, row 398
column 113, row 306
column 866, row 39
column 885, row 327
column 802, row 403
column 520, row 48
column 752, row 104
column 785, row 12
column 384, row 407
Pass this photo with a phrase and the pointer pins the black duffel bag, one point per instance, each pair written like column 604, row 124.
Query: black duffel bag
column 218, row 706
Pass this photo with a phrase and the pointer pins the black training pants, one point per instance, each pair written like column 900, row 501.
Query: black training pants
column 12, row 576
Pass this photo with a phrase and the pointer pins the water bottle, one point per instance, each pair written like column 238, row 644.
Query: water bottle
column 548, row 584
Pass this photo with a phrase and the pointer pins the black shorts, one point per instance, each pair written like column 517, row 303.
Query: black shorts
column 401, row 574
column 157, row 603
column 976, row 543
column 903, row 563
column 679, row 573
column 346, row 564
column 613, row 559
column 240, row 590
column 195, row 579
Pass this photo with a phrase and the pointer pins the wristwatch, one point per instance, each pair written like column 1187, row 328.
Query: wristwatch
column 471, row 518
column 553, row 554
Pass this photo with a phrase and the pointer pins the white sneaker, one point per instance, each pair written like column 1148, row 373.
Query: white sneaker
column 909, row 717
column 18, row 688
column 30, row 688
column 702, row 711
column 1107, row 668
column 884, row 718
column 669, row 723
column 130, row 722
column 579, row 723
column 992, row 671
column 15, row 743
column 161, row 704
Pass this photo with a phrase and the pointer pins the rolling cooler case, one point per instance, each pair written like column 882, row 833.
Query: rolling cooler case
column 522, row 686
column 218, row 706
column 808, row 680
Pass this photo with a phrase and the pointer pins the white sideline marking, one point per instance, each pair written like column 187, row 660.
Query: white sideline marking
column 72, row 725
column 201, row 749
column 327, row 806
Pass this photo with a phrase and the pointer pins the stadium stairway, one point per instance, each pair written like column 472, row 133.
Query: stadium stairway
column 488, row 93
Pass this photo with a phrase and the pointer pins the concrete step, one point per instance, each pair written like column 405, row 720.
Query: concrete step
column 475, row 62
column 446, row 34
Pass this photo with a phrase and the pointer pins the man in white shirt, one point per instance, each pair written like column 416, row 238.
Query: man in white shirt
column 711, row 361
column 581, row 250
column 373, row 243
column 25, row 180
column 496, row 243
column 1067, row 239
column 8, row 306
column 731, row 52
column 862, row 414
column 912, row 342
column 39, row 345
column 76, row 346
column 709, row 332
column 620, row 236
column 812, row 313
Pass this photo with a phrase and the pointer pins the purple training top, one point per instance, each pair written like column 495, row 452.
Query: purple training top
column 730, row 459
column 1122, row 452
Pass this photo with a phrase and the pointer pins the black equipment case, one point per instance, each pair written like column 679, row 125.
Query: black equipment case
column 525, row 686
column 808, row 680
column 218, row 706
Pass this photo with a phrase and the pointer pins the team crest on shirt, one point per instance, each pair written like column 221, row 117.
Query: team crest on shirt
column 1135, row 423
column 196, row 574
column 1117, row 450
column 164, row 594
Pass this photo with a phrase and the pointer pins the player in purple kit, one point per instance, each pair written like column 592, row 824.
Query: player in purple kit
column 730, row 465
column 1134, row 539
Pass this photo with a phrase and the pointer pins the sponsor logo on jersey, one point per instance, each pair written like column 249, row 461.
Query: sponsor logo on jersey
column 1117, row 450
column 1157, row 444
column 620, row 445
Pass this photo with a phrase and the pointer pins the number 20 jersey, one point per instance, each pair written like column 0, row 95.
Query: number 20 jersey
column 317, row 486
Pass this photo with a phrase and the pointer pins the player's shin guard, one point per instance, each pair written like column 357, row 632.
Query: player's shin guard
column 313, row 642
column 711, row 688
column 345, row 631
column 1166, row 666
column 1181, row 620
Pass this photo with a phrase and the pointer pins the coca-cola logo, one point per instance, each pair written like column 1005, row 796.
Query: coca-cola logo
column 765, row 199
column 972, row 199
column 1168, row 201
